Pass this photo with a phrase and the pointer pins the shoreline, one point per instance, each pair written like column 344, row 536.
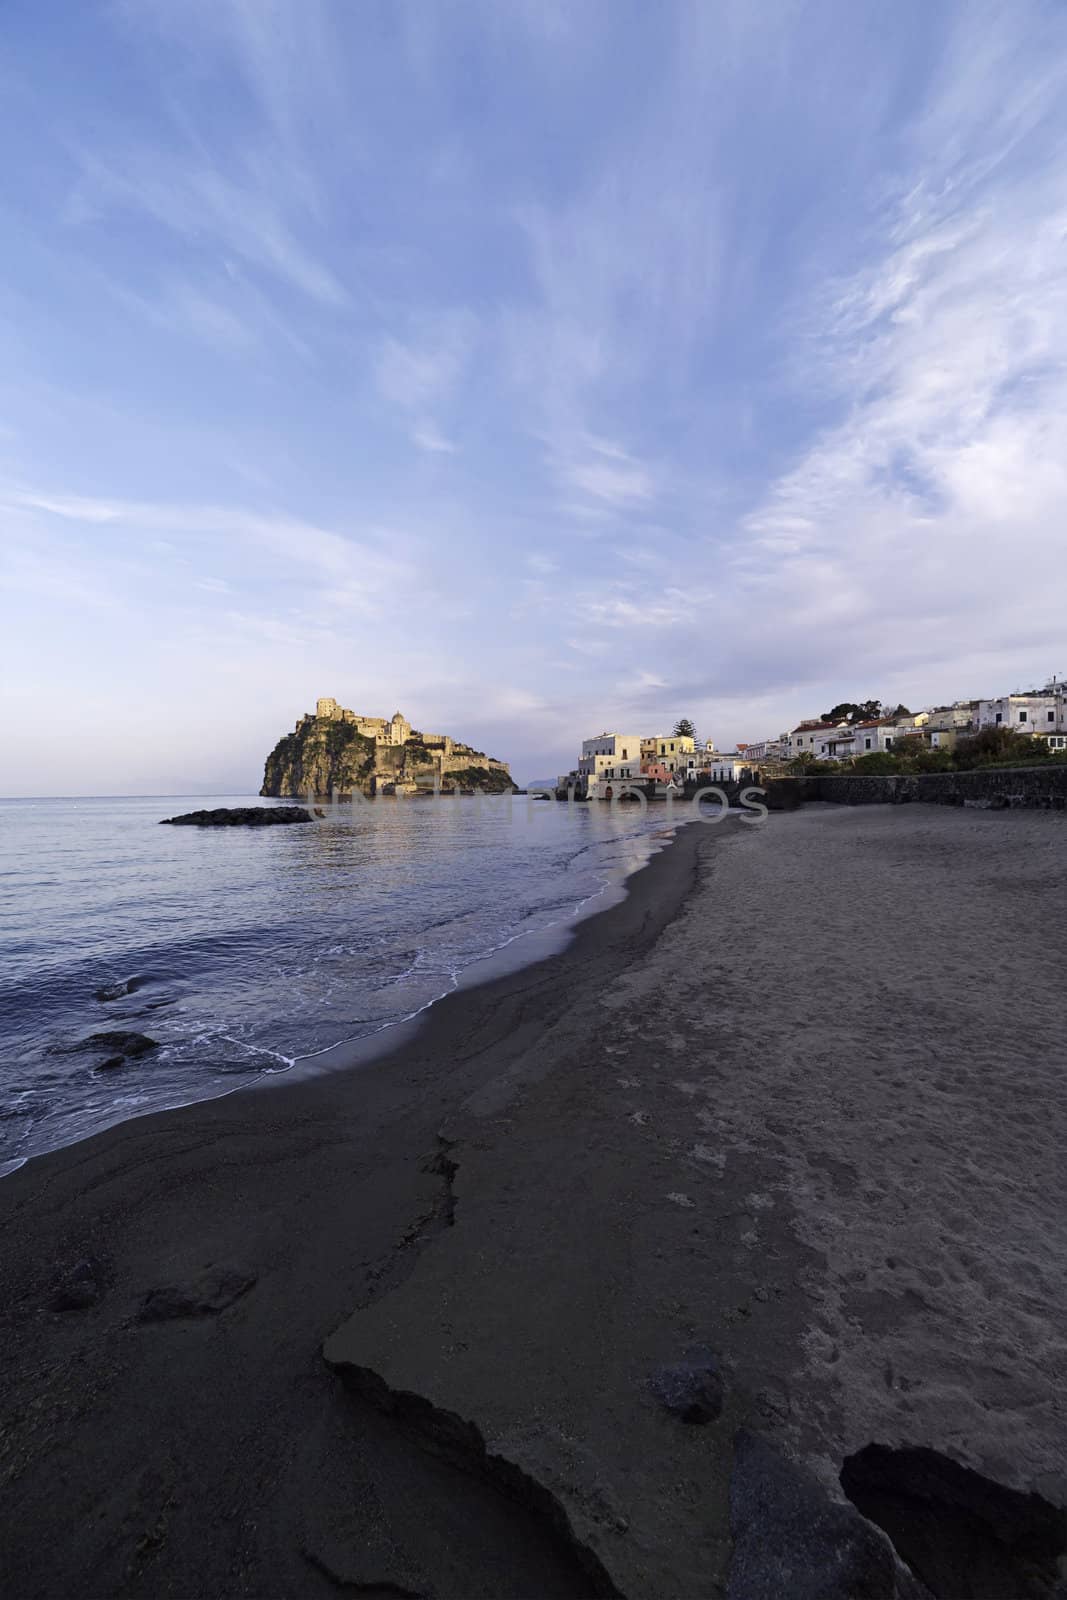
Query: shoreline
column 405, row 1035
column 395, row 1329
column 344, row 1054
column 313, row 1189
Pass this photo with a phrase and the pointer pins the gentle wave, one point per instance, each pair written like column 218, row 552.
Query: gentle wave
column 252, row 960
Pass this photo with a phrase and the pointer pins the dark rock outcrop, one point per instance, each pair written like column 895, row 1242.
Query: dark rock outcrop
column 203, row 1296
column 964, row 1534
column 692, row 1388
column 321, row 756
column 791, row 1539
column 120, row 988
column 116, row 1046
column 240, row 817
column 458, row 1440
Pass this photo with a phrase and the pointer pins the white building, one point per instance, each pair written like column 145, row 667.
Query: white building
column 726, row 766
column 803, row 740
column 1036, row 712
column 610, row 758
column 879, row 734
column 836, row 744
column 768, row 750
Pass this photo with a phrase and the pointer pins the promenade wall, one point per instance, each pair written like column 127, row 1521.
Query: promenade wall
column 996, row 789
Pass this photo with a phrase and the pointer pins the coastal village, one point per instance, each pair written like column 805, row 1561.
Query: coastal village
column 844, row 739
column 334, row 751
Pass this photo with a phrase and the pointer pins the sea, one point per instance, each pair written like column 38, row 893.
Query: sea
column 249, row 952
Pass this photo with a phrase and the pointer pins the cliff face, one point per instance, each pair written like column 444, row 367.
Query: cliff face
column 322, row 756
column 326, row 755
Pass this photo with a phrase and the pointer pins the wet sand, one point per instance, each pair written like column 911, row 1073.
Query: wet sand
column 800, row 1098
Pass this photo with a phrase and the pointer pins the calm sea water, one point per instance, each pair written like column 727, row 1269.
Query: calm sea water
column 254, row 950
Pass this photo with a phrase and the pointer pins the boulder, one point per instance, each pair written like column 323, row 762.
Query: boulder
column 118, row 1045
column 121, row 987
column 691, row 1388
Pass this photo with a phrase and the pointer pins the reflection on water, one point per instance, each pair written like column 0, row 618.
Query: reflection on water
column 259, row 948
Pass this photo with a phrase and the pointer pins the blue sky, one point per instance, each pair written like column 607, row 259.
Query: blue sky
column 536, row 368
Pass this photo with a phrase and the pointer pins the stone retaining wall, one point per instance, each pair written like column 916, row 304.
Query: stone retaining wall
column 1042, row 788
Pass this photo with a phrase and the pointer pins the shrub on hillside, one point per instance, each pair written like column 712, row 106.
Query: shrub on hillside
column 879, row 764
column 1000, row 747
column 930, row 760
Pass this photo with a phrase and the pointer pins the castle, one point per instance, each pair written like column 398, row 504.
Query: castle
column 337, row 751
column 394, row 731
column 397, row 730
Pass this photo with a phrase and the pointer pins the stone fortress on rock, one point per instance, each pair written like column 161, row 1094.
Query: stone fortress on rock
column 336, row 752
column 396, row 730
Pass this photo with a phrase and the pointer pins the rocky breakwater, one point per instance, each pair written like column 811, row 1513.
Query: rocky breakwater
column 239, row 817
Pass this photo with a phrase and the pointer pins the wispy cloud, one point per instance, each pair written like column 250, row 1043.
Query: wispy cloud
column 947, row 353
column 351, row 571
column 609, row 475
column 743, row 364
column 241, row 212
column 420, row 373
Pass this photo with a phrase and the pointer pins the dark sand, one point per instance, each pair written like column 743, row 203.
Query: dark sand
column 801, row 1098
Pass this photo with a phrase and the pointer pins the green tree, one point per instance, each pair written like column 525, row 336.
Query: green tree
column 684, row 729
column 909, row 750
column 808, row 765
column 853, row 711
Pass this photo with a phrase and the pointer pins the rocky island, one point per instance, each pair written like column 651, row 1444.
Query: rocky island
column 240, row 817
column 340, row 752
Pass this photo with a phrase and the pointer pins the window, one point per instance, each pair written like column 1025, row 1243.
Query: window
column 888, row 743
column 866, row 744
column 1052, row 716
column 1000, row 717
column 1022, row 716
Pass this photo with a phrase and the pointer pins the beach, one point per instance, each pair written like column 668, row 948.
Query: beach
column 799, row 1100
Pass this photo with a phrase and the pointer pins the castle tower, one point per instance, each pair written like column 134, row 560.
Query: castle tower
column 327, row 707
column 399, row 729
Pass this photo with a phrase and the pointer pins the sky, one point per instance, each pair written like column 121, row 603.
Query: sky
column 534, row 368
